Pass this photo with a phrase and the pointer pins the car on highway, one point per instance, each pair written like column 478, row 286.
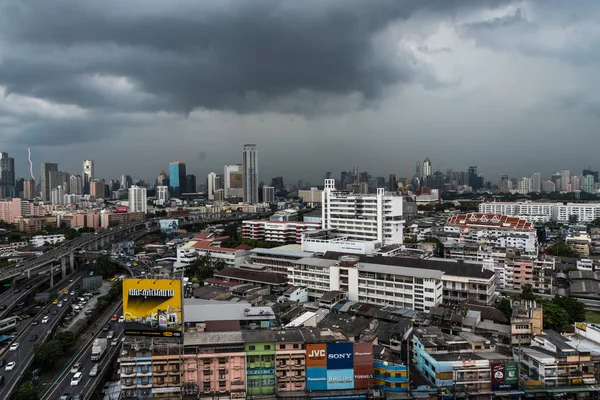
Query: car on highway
column 59, row 304
column 94, row 370
column 75, row 368
column 45, row 320
column 114, row 317
column 55, row 302
column 2, row 380
column 121, row 319
column 14, row 346
column 33, row 338
column 114, row 342
column 10, row 366
column 54, row 312
column 76, row 379
column 76, row 397
column 34, row 322
column 72, row 293
column 65, row 396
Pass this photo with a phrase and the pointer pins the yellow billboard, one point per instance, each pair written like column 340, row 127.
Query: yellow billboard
column 152, row 307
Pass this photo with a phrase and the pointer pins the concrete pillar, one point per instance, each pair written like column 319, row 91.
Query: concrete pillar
column 13, row 282
column 72, row 261
column 28, row 273
column 63, row 266
column 51, row 275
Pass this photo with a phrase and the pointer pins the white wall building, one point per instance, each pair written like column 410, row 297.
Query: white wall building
column 38, row 241
column 368, row 217
column 277, row 231
column 162, row 195
column 233, row 180
column 138, row 199
column 391, row 281
column 211, row 183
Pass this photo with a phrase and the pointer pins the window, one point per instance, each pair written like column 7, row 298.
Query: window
column 282, row 346
column 296, row 346
column 251, row 348
column 267, row 347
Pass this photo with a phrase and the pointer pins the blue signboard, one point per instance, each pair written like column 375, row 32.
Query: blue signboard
column 316, row 378
column 340, row 356
column 340, row 379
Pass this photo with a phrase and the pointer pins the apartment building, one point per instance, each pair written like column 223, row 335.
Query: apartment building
column 544, row 212
column 393, row 281
column 110, row 219
column 580, row 241
column 279, row 259
column 526, row 322
column 195, row 248
column 367, row 217
column 495, row 230
column 460, row 364
column 282, row 232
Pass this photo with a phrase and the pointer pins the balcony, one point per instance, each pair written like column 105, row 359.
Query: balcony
column 128, row 372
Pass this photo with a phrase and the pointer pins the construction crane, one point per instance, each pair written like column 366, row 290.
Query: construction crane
column 399, row 185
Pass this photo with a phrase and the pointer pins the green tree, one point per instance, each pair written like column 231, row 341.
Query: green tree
column 27, row 392
column 562, row 249
column 527, row 293
column 595, row 223
column 555, row 317
column 575, row 309
column 112, row 224
column 505, row 307
column 105, row 266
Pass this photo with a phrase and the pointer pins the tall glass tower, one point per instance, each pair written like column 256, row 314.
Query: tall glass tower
column 177, row 178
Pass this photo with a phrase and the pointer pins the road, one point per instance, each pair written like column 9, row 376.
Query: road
column 24, row 354
column 88, row 383
column 67, row 247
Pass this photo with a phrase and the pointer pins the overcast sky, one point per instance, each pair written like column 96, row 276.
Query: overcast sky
column 319, row 85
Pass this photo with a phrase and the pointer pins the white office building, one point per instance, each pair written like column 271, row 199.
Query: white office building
column 366, row 217
column 162, row 195
column 233, row 180
column 211, row 183
column 138, row 198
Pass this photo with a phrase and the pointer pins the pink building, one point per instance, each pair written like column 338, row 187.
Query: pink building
column 214, row 364
column 290, row 361
column 11, row 209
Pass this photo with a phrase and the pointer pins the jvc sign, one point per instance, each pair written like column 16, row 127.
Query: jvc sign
column 340, row 356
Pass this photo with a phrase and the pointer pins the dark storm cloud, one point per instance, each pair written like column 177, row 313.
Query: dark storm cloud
column 177, row 56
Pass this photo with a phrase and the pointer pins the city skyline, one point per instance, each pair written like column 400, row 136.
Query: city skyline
column 484, row 81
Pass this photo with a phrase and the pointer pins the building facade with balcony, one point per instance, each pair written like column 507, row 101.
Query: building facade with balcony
column 260, row 362
column 282, row 232
column 290, row 361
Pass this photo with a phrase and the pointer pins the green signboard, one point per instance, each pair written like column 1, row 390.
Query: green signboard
column 512, row 374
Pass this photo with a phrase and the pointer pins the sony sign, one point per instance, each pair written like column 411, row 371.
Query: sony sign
column 339, row 356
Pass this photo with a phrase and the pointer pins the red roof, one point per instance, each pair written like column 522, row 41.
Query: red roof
column 203, row 236
column 490, row 220
column 208, row 245
column 243, row 247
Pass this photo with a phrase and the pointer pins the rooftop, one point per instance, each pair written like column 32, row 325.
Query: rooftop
column 198, row 310
column 212, row 338
column 490, row 220
column 450, row 267
column 269, row 278
column 292, row 250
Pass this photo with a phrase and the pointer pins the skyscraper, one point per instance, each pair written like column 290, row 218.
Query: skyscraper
column 126, row 182
column 59, row 178
column 29, row 188
column 427, row 169
column 177, row 178
column 211, row 185
column 76, row 185
column 418, row 169
column 392, row 184
column 46, row 169
column 162, row 195
column 536, row 183
column 162, row 179
column 268, row 194
column 190, row 183
column 7, row 175
column 277, row 183
column 88, row 175
column 473, row 177
column 138, row 199
column 250, row 173
column 565, row 180
column 588, row 184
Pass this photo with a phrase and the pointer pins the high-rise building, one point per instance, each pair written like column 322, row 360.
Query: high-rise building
column 524, row 185
column 138, row 198
column 575, row 183
column 536, row 182
column 190, row 183
column 548, row 187
column 234, row 181
column 418, row 169
column 76, row 185
column 97, row 189
column 59, row 178
column 46, row 189
column 588, row 184
column 177, row 178
column 29, row 188
column 565, row 180
column 7, row 176
column 392, row 184
column 268, row 194
column 162, row 179
column 277, row 183
column 162, row 195
column 126, row 182
column 473, row 182
column 427, row 168
column 211, row 185
column 250, row 173
column 57, row 195
column 503, row 187
column 88, row 175
column 588, row 171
